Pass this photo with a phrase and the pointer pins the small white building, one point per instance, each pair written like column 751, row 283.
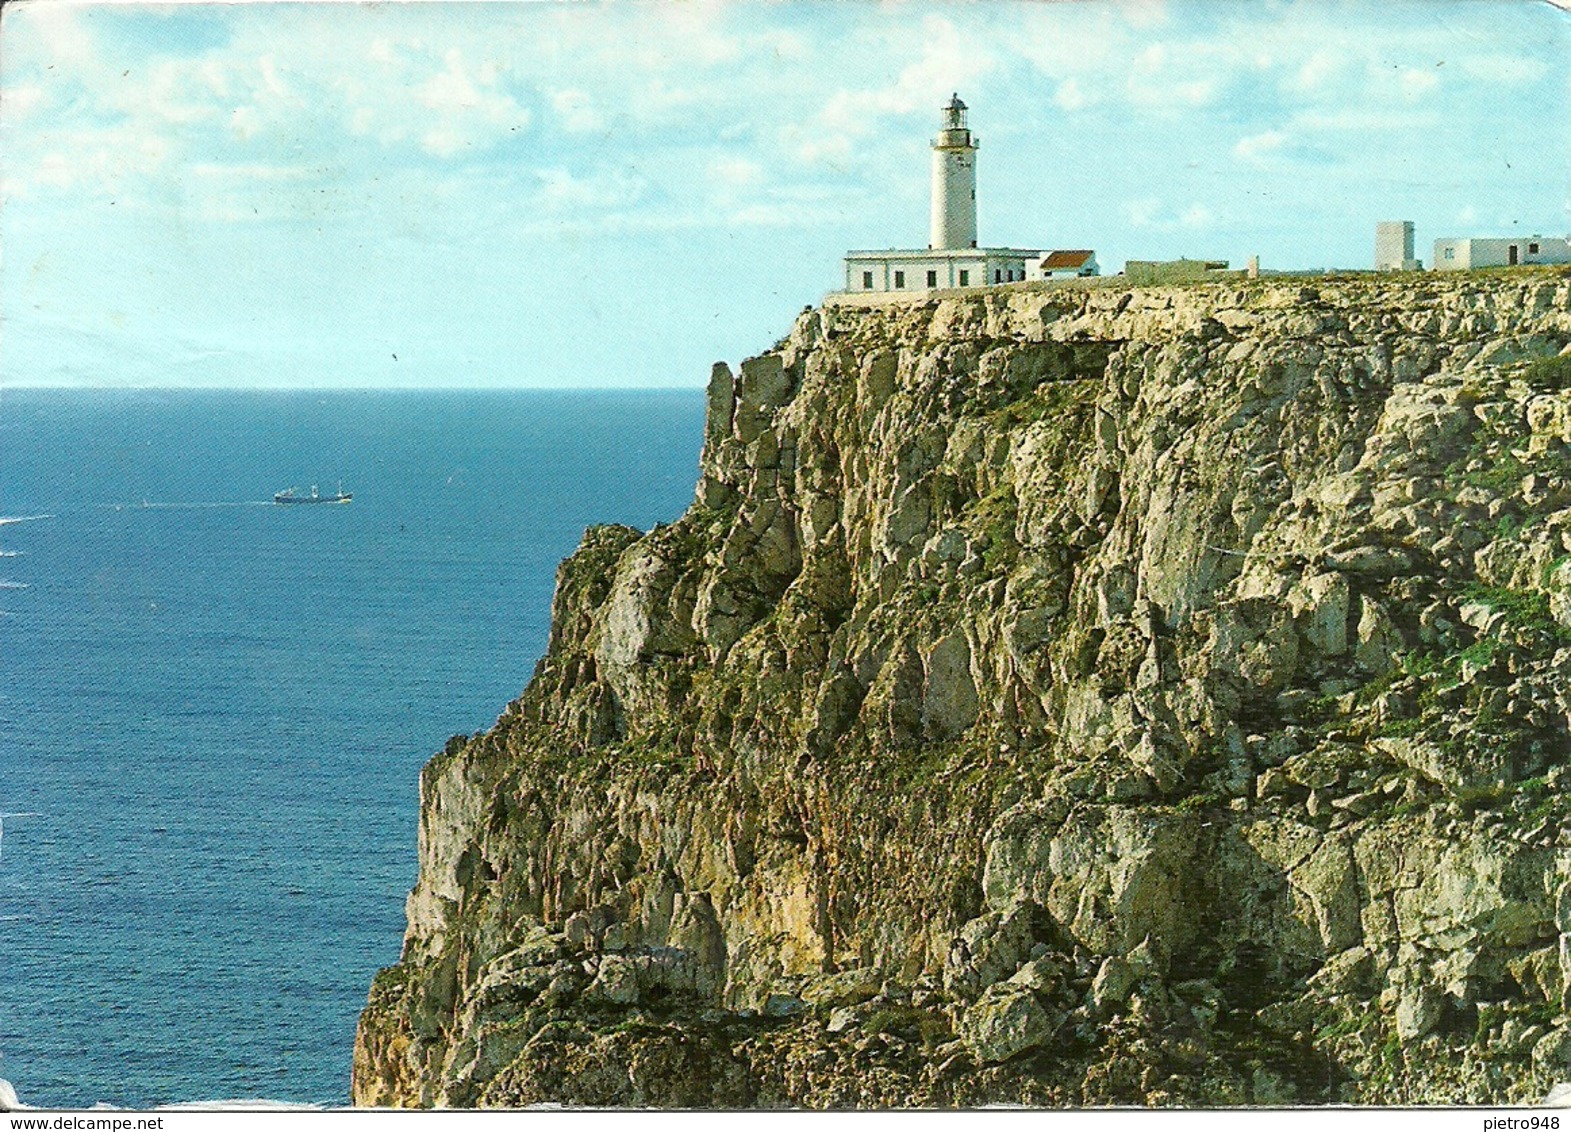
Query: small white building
column 1510, row 251
column 951, row 258
column 899, row 270
column 1068, row 264
column 1394, row 246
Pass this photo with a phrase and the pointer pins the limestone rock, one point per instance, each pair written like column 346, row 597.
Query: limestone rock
column 720, row 401
column 624, row 979
column 1147, row 654
column 1379, row 640
column 989, row 948
column 1320, row 603
column 762, row 388
column 1112, row 875
column 1004, row 1022
column 1552, row 1052
column 1418, row 1009
column 1115, row 981
column 1042, row 975
column 847, row 988
column 784, row 1006
column 949, row 697
column 1345, row 972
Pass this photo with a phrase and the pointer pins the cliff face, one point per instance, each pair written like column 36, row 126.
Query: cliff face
column 1069, row 697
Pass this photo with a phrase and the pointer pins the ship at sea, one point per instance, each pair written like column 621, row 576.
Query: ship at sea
column 288, row 495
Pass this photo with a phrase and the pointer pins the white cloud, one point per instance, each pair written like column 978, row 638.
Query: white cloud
column 790, row 47
column 1363, row 120
column 448, row 106
column 1167, row 80
column 1089, row 46
column 1145, row 14
column 563, row 191
column 272, row 82
column 689, row 34
column 1415, row 84
column 947, row 59
column 96, row 162
column 20, row 101
column 1069, row 95
column 1142, row 212
column 1152, row 213
column 56, row 170
column 577, row 111
column 1172, row 95
column 52, row 31
column 739, row 172
column 773, row 214
column 216, row 77
column 818, row 147
column 248, row 172
column 1261, row 145
column 453, row 90
column 173, row 93
column 1319, row 72
column 382, row 50
column 1503, row 69
column 443, row 141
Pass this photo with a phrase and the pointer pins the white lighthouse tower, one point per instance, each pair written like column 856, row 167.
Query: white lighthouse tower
column 954, row 182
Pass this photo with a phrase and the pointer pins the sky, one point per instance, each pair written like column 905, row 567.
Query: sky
column 595, row 194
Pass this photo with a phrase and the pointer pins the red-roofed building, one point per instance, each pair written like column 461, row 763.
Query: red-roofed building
column 1067, row 264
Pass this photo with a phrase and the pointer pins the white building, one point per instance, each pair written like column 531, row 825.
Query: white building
column 951, row 258
column 1463, row 254
column 898, row 270
column 1394, row 246
column 1067, row 264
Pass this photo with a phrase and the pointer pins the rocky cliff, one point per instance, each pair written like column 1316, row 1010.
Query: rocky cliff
column 1062, row 696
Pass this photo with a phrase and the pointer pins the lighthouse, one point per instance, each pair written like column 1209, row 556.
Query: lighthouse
column 952, row 258
column 954, row 182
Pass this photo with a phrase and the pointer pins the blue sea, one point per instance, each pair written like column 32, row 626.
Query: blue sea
column 216, row 708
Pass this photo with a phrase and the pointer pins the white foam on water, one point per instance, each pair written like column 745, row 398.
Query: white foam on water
column 16, row 814
column 189, row 506
column 241, row 1104
column 7, row 520
column 10, row 1103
